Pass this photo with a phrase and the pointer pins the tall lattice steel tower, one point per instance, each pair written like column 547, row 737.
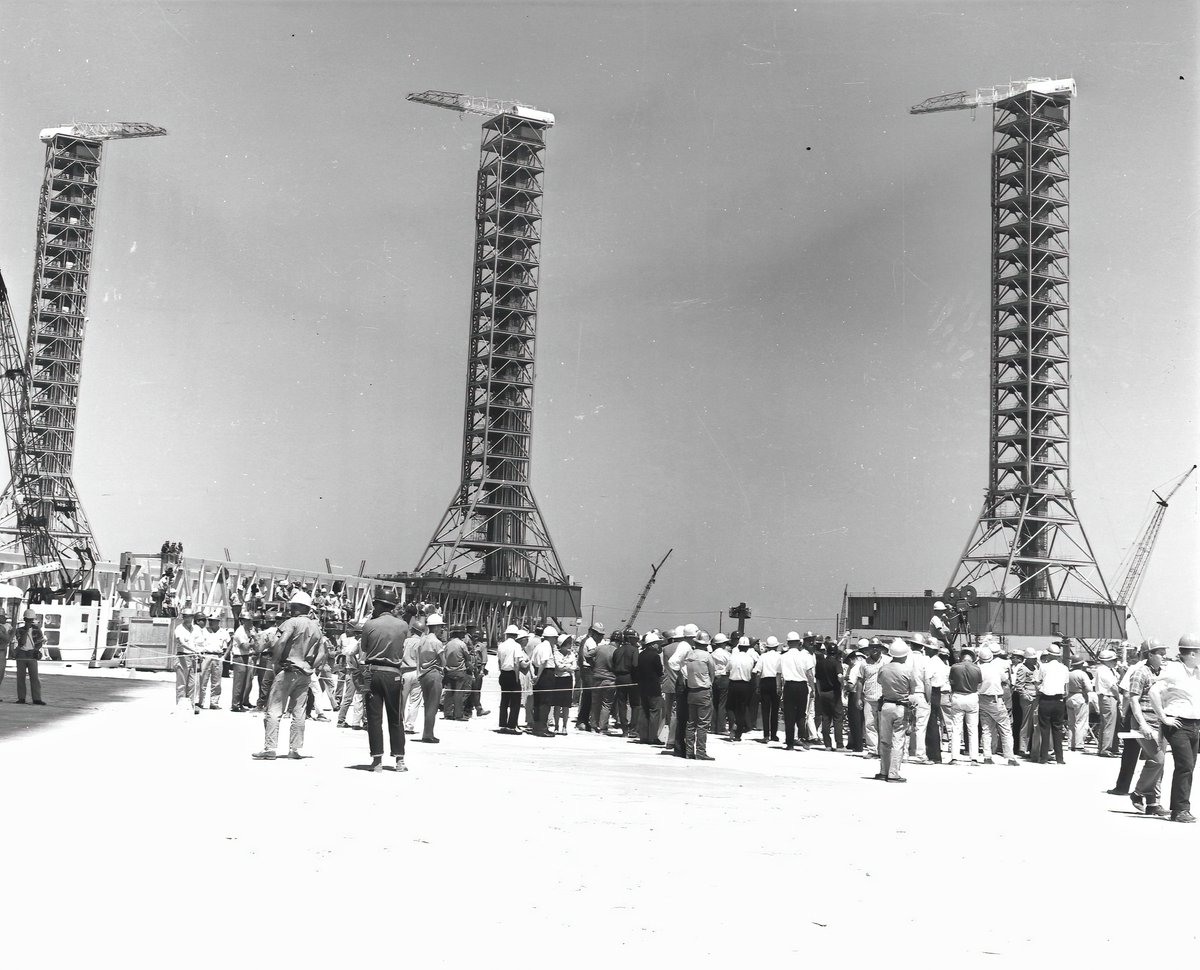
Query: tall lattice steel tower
column 1028, row 541
column 40, row 510
column 493, row 528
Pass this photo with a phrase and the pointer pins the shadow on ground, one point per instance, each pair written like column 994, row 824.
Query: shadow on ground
column 66, row 696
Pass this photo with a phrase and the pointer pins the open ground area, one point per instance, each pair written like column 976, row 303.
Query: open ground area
column 152, row 836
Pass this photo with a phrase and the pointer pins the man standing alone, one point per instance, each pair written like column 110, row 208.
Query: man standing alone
column 28, row 647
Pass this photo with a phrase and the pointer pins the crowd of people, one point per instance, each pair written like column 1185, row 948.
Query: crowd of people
column 914, row 698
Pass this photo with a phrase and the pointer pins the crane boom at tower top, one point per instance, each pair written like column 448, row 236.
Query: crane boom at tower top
column 486, row 107
column 982, row 97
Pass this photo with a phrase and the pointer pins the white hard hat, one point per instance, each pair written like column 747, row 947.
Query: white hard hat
column 899, row 648
column 985, row 654
column 744, row 642
column 772, row 642
column 435, row 619
column 939, row 605
column 719, row 639
column 651, row 637
column 512, row 631
column 794, row 637
column 550, row 631
column 1189, row 641
column 691, row 630
column 300, row 598
column 863, row 643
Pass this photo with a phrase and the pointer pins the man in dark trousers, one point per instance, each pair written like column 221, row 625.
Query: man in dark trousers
column 624, row 663
column 828, row 704
column 382, row 650
column 1052, row 702
column 698, row 672
column 649, row 685
column 587, row 652
column 297, row 653
column 768, row 688
column 793, row 667
column 27, row 650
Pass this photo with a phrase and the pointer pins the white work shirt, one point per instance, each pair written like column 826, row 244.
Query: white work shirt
column 1178, row 690
column 1106, row 681
column 995, row 676
column 768, row 664
column 189, row 641
column 241, row 641
column 543, row 656
column 509, row 655
column 938, row 628
column 215, row 641
column 871, row 689
column 679, row 657
column 1054, row 679
column 720, row 658
column 920, row 674
column 855, row 674
column 792, row 665
column 937, row 674
column 741, row 666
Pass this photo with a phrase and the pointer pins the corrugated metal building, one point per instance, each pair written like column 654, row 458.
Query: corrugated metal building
column 898, row 613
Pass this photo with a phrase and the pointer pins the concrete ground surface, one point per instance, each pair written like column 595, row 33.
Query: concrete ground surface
column 139, row 837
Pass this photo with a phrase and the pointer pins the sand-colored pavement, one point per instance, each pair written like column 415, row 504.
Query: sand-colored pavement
column 151, row 836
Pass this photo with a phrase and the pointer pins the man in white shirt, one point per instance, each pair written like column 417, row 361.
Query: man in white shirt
column 240, row 650
column 939, row 629
column 510, row 657
column 919, row 701
column 216, row 641
column 676, row 670
column 1107, row 687
column 855, row 662
column 937, row 677
column 797, row 673
column 720, row 690
column 1052, row 701
column 1175, row 698
column 741, row 671
column 872, row 693
column 992, row 714
column 587, row 653
column 189, row 647
column 767, row 669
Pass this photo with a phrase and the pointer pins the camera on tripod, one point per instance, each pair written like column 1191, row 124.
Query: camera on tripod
column 960, row 600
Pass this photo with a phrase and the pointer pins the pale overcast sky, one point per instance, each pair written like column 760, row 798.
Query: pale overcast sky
column 763, row 336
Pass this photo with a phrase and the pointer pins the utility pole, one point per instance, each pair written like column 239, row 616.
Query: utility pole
column 741, row 613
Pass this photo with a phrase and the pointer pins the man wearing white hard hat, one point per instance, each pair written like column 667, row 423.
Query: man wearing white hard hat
column 995, row 718
column 543, row 664
column 896, row 685
column 1108, row 694
column 768, row 688
column 720, row 654
column 216, row 643
column 1175, row 698
column 27, row 648
column 698, row 671
column 855, row 720
column 509, row 659
column 797, row 674
column 741, row 671
column 1147, row 793
column 649, row 673
column 676, row 668
column 297, row 653
column 670, row 713
column 872, row 694
column 587, row 654
column 189, row 647
column 431, row 663
column 939, row 629
column 604, row 684
column 1052, row 701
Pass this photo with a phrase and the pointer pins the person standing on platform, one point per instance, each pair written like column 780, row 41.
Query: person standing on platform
column 27, row 649
column 587, row 653
column 543, row 664
column 1052, row 702
column 457, row 676
column 937, row 675
column 768, row 689
column 854, row 701
column 649, row 684
column 1108, row 698
column 1175, row 698
column 872, row 694
column 565, row 665
column 298, row 652
column 1147, row 793
column 997, row 723
column 241, row 657
column 939, row 627
column 510, row 657
column 720, row 692
column 965, row 678
column 827, row 674
column 431, row 663
column 896, row 686
column 741, row 670
column 1079, row 689
column 381, row 647
column 699, row 671
column 189, row 647
column 793, row 667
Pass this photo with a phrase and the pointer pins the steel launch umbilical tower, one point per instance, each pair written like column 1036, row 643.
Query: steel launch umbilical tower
column 493, row 528
column 40, row 509
column 1028, row 541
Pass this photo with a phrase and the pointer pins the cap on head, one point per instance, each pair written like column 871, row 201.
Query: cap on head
column 523, row 634
column 809, row 636
column 1155, row 646
column 1054, row 650
column 650, row 638
column 300, row 599
column 1150, row 643
column 690, row 630
column 703, row 639
column 863, row 643
column 743, row 642
column 1106, row 655
column 720, row 639
column 793, row 637
column 29, row 615
column 564, row 638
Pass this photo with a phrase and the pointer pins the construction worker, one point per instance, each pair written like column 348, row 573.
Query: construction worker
column 456, row 678
column 604, row 683
column 1108, row 699
column 476, row 641
column 939, row 628
column 189, row 647
column 298, row 652
column 698, row 671
column 767, row 669
column 382, row 648
column 565, row 665
column 677, row 670
column 264, row 665
column 411, row 698
column 1175, row 698
column 241, row 657
column 667, row 684
column 794, row 669
column 587, row 651
column 1131, row 750
column 896, row 686
column 214, row 643
column 649, row 684
column 1025, row 688
column 937, row 676
column 965, row 678
column 1079, row 689
column 720, row 655
column 543, row 663
column 871, row 695
column 919, row 702
column 996, row 720
column 856, row 661
column 509, row 659
column 431, row 662
column 27, row 649
column 1147, row 793
column 1052, row 701
column 351, row 681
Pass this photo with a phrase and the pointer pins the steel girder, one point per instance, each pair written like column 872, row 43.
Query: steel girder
column 1028, row 541
column 493, row 528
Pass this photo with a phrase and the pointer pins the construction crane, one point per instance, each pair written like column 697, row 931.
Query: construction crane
column 40, row 510
column 485, row 107
column 1132, row 581
column 628, row 624
column 984, row 97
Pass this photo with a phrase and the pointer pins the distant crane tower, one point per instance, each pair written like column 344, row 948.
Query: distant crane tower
column 493, row 528
column 1028, row 541
column 1132, row 582
column 40, row 510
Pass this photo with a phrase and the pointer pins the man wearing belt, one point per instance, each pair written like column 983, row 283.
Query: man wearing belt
column 410, row 683
column 854, row 702
column 720, row 692
column 298, row 652
column 1131, row 750
column 1052, row 702
column 382, row 651
column 871, row 695
column 768, row 674
column 939, row 629
column 189, row 644
column 649, row 682
column 937, row 675
column 456, row 678
column 795, row 671
column 431, row 661
column 1109, row 700
column 827, row 675
column 587, row 652
column 699, row 670
column 543, row 662
column 1025, row 687
column 240, row 656
column 678, row 673
column 741, row 669
column 996, row 720
column 896, row 686
column 1147, row 793
column 965, row 678
column 919, row 701
column 1175, row 698
column 509, row 659
column 1079, row 689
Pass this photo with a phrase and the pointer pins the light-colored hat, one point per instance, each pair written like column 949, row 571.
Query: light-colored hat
column 690, row 631
column 898, row 648
column 300, row 598
column 719, row 639
column 743, row 642
column 435, row 619
column 677, row 633
column 970, row 650
column 1032, row 653
column 1189, row 641
column 29, row 615
column 985, row 654
column 598, row 627
column 772, row 643
column 550, row 631
column 651, row 637
column 863, row 643
column 1156, row 646
column 1150, row 643
column 943, row 651
column 1106, row 655
column 939, row 605
column 512, row 631
column 564, row 638
column 794, row 637
column 523, row 634
column 703, row 639
column 1052, row 651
